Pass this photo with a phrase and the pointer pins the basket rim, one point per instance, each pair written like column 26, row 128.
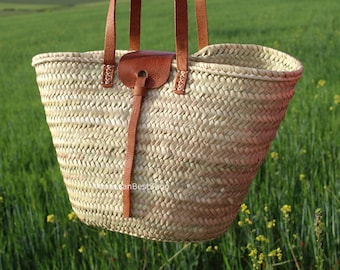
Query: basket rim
column 199, row 61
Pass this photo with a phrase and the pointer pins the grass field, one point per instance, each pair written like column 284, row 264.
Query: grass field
column 290, row 219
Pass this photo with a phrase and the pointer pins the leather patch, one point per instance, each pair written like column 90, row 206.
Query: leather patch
column 156, row 64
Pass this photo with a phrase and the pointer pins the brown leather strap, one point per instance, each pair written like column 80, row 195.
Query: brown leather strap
column 201, row 24
column 135, row 13
column 139, row 92
column 140, row 70
column 109, row 46
column 181, row 14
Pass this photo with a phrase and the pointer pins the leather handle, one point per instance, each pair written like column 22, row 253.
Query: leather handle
column 181, row 28
column 201, row 24
column 109, row 46
column 181, row 19
column 135, row 14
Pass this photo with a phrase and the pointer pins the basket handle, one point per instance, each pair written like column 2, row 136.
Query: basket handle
column 201, row 24
column 181, row 29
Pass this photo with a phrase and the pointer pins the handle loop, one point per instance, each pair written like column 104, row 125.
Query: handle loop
column 181, row 29
column 201, row 24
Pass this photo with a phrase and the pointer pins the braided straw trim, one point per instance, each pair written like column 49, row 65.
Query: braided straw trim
column 196, row 154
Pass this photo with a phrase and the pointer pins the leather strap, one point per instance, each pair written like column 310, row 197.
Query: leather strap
column 140, row 70
column 181, row 18
column 138, row 93
column 135, row 13
column 181, row 27
column 109, row 46
column 201, row 24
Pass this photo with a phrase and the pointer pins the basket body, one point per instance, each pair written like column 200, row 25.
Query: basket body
column 196, row 154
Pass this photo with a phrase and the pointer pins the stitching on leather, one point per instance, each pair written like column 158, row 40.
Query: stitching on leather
column 182, row 78
column 108, row 74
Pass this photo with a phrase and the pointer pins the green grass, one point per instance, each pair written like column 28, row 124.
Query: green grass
column 302, row 169
column 48, row 2
column 19, row 7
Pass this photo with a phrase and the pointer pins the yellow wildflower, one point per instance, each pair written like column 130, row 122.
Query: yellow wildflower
column 253, row 252
column 274, row 155
column 271, row 224
column 244, row 209
column 81, row 249
column 265, row 208
column 50, row 218
column 279, row 254
column 261, row 238
column 272, row 253
column 321, row 83
column 240, row 223
column 1, row 199
column 260, row 258
column 211, row 248
column 337, row 99
column 248, row 221
column 302, row 176
column 128, row 255
column 72, row 216
column 286, row 209
column 276, row 253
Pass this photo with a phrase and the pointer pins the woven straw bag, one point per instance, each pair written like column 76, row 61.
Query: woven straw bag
column 160, row 145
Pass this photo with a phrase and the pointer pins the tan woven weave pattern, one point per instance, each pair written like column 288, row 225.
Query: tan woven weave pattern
column 196, row 154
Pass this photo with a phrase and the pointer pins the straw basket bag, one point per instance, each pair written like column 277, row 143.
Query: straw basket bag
column 163, row 145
